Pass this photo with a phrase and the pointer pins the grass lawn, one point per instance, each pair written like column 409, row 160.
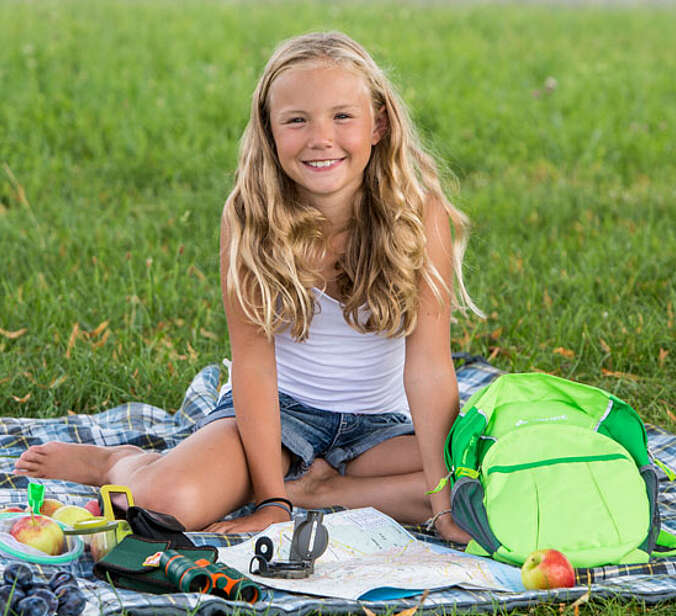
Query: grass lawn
column 119, row 128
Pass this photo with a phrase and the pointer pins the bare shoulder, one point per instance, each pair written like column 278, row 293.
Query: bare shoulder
column 225, row 247
column 428, row 345
column 226, row 232
column 434, row 208
column 438, row 237
column 246, row 337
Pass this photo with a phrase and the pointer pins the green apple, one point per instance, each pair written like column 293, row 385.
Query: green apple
column 70, row 514
column 39, row 532
column 547, row 569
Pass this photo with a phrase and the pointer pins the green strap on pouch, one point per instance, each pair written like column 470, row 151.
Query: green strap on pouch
column 124, row 565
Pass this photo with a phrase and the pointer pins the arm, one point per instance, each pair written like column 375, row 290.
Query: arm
column 256, row 401
column 429, row 376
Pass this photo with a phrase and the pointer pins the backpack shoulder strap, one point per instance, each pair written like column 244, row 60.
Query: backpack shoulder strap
column 665, row 545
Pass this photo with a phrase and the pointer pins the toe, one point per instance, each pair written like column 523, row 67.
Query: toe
column 39, row 450
column 33, row 453
column 26, row 470
column 28, row 464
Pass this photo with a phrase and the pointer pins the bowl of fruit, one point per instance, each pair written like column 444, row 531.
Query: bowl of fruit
column 38, row 539
column 39, row 532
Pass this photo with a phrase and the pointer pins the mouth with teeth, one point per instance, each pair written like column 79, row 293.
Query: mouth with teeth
column 323, row 164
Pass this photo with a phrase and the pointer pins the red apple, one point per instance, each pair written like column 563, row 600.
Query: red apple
column 93, row 507
column 11, row 510
column 49, row 506
column 547, row 569
column 39, row 532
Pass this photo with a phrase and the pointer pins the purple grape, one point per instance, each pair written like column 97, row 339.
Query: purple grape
column 15, row 592
column 59, row 578
column 49, row 597
column 71, row 601
column 32, row 606
column 36, row 585
column 59, row 591
column 19, row 574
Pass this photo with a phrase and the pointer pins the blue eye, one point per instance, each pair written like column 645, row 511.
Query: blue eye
column 297, row 120
column 343, row 116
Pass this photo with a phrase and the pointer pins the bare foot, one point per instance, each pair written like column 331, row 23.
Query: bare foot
column 88, row 464
column 306, row 491
column 451, row 531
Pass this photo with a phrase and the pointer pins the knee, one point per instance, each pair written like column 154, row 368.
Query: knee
column 181, row 501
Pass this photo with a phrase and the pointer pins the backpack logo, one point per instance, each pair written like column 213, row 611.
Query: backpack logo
column 523, row 422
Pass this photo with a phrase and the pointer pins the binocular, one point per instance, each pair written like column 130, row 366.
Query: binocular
column 207, row 577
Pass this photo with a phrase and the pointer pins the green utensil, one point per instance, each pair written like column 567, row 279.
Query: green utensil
column 36, row 496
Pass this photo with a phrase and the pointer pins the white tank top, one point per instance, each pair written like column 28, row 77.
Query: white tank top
column 340, row 369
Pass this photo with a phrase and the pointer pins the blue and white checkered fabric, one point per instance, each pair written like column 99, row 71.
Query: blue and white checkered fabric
column 153, row 428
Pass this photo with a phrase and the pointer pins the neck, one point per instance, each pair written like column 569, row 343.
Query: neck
column 337, row 208
column 338, row 219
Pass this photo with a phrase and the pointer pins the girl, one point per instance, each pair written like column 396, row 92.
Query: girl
column 339, row 274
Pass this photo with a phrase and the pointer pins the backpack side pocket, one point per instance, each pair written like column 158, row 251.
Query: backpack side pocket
column 469, row 513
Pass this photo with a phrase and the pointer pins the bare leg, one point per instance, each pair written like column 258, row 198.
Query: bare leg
column 388, row 477
column 400, row 496
column 87, row 464
column 199, row 481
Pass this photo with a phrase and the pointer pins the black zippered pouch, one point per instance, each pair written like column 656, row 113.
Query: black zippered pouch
column 155, row 525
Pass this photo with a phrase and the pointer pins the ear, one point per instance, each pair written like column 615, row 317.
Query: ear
column 380, row 126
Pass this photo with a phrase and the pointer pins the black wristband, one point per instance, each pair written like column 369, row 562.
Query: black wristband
column 267, row 501
column 276, row 504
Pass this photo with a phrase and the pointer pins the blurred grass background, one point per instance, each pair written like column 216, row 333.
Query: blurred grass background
column 119, row 128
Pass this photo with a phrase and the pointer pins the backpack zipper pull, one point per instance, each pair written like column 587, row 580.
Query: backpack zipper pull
column 442, row 483
column 468, row 472
column 667, row 471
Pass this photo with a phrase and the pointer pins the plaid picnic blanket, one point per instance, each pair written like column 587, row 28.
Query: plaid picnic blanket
column 153, row 428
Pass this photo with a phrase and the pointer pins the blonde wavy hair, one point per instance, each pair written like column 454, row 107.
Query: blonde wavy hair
column 276, row 241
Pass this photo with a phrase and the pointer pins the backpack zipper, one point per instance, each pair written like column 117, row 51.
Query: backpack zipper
column 519, row 467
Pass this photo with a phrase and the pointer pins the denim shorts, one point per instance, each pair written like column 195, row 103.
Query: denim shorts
column 309, row 433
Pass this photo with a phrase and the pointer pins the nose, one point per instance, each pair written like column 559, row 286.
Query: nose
column 321, row 135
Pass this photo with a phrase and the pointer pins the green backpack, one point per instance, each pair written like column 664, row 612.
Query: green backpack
column 539, row 462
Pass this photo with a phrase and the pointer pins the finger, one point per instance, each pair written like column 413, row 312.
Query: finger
column 217, row 527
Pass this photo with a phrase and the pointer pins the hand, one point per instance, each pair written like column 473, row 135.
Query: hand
column 257, row 521
column 449, row 530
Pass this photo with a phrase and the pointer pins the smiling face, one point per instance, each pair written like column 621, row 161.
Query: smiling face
column 324, row 127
